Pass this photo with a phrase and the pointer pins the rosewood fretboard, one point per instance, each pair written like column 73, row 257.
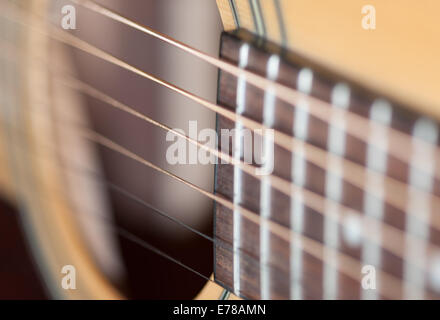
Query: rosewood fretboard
column 253, row 262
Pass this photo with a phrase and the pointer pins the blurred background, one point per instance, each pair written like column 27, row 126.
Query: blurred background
column 142, row 274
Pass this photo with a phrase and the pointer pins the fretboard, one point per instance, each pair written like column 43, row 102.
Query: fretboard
column 357, row 203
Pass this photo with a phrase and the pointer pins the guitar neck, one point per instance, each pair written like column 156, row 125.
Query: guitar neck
column 352, row 200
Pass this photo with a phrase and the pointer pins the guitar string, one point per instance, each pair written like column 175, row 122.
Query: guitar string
column 358, row 126
column 352, row 173
column 394, row 239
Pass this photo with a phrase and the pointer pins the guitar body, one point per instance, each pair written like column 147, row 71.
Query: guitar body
column 66, row 181
column 354, row 189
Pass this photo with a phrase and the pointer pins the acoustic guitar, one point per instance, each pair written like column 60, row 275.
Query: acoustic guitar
column 256, row 149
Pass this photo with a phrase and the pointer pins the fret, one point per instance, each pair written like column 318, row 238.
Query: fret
column 265, row 191
column 426, row 130
column 381, row 111
column 238, row 175
column 300, row 130
column 340, row 98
